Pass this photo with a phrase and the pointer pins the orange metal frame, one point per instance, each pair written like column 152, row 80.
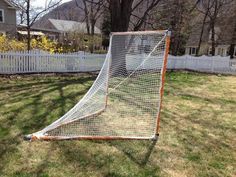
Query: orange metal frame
column 51, row 138
column 140, row 32
column 106, row 99
column 55, row 138
column 163, row 80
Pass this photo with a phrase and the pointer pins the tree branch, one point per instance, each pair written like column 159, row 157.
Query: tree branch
column 142, row 19
column 135, row 7
column 50, row 6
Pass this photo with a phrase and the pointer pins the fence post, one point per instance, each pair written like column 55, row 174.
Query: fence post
column 185, row 62
column 212, row 65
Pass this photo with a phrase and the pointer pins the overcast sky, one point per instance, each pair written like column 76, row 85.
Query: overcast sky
column 41, row 3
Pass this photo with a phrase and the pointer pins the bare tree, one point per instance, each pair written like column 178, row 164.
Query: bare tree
column 179, row 24
column 203, row 7
column 233, row 38
column 212, row 9
column 122, row 11
column 21, row 18
column 175, row 15
column 232, row 44
column 143, row 17
column 93, row 9
column 29, row 14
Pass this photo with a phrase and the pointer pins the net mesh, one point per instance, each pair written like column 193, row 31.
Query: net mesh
column 124, row 100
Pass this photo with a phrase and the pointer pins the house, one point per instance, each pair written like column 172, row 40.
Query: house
column 58, row 29
column 22, row 32
column 223, row 41
column 7, row 18
column 225, row 36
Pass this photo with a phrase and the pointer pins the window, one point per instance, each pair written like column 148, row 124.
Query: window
column 209, row 51
column 1, row 16
column 235, row 51
column 144, row 48
column 192, row 51
column 221, row 51
column 147, row 48
column 52, row 37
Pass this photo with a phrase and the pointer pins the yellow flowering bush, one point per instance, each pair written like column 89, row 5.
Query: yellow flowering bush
column 74, row 42
column 44, row 44
column 7, row 44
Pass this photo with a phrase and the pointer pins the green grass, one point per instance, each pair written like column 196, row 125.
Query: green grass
column 198, row 130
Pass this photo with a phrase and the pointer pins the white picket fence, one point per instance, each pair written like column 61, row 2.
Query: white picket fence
column 214, row 64
column 41, row 62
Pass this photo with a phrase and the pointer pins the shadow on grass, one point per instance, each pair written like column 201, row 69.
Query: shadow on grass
column 109, row 157
column 85, row 155
column 139, row 151
column 33, row 112
column 31, row 94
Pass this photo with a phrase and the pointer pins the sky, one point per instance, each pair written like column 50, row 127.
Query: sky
column 41, row 3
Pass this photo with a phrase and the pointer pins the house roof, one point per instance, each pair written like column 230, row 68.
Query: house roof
column 67, row 26
column 11, row 5
column 22, row 27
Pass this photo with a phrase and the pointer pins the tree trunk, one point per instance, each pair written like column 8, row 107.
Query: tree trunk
column 118, row 51
column 86, row 17
column 28, row 25
column 120, row 17
column 93, row 22
column 231, row 50
column 232, row 45
column 202, row 30
column 120, row 14
column 213, row 42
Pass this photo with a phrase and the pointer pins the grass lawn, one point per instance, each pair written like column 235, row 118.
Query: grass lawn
column 198, row 130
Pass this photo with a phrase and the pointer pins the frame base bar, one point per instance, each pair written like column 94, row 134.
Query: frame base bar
column 155, row 138
column 58, row 138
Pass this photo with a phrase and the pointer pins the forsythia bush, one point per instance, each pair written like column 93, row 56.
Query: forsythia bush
column 42, row 43
column 74, row 42
column 7, row 44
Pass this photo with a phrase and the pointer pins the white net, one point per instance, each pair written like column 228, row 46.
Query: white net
column 124, row 101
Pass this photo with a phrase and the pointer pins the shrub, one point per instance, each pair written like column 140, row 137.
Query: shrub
column 7, row 44
column 44, row 44
column 41, row 43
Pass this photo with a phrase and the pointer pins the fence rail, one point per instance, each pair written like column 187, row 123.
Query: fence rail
column 39, row 62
